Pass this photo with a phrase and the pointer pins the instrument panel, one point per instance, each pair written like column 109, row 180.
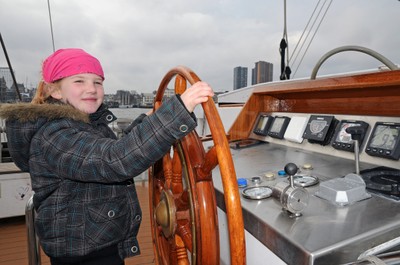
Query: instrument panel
column 384, row 141
column 327, row 130
column 263, row 123
column 278, row 127
column 343, row 140
column 320, row 129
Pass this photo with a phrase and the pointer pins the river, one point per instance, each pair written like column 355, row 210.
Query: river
column 128, row 113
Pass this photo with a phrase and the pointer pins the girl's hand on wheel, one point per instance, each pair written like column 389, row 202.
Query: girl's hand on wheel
column 196, row 94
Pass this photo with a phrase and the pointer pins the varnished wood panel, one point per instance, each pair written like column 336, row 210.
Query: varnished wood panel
column 247, row 117
column 374, row 94
column 334, row 85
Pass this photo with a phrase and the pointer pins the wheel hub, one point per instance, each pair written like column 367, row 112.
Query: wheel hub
column 166, row 213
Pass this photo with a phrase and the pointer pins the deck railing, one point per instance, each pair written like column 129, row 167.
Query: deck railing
column 33, row 243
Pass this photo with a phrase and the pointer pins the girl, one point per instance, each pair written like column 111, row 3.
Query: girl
column 82, row 175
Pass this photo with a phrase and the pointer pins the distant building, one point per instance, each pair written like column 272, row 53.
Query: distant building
column 12, row 94
column 169, row 93
column 3, row 90
column 262, row 72
column 123, row 98
column 6, row 74
column 239, row 77
column 147, row 100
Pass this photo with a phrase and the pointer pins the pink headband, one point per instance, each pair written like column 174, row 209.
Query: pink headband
column 68, row 62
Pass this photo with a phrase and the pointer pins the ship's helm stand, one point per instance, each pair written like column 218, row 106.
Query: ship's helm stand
column 183, row 206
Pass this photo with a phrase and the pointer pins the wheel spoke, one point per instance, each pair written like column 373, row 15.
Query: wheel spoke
column 209, row 163
column 182, row 202
column 184, row 232
column 181, row 253
column 176, row 182
column 167, row 170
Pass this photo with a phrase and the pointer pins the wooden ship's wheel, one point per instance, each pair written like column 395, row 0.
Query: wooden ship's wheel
column 182, row 200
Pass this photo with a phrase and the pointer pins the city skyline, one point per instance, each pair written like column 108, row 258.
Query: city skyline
column 261, row 73
column 148, row 38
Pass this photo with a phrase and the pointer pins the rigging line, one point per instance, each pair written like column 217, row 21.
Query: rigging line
column 302, row 34
column 51, row 25
column 10, row 67
column 308, row 33
column 326, row 11
column 285, row 37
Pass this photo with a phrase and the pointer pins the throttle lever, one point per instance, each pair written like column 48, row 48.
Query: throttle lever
column 356, row 133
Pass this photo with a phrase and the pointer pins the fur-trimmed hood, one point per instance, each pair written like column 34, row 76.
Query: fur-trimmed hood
column 23, row 120
column 27, row 112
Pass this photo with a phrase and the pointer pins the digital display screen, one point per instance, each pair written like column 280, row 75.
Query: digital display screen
column 343, row 136
column 261, row 123
column 385, row 137
column 277, row 125
column 320, row 129
column 344, row 140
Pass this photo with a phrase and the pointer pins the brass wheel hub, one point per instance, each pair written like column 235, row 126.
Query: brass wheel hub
column 165, row 213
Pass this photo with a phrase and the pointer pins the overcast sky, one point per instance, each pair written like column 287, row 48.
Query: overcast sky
column 138, row 41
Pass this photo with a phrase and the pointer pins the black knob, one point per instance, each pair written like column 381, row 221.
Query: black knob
column 291, row 169
column 356, row 132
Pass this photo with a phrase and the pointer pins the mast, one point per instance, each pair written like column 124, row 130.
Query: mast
column 283, row 46
column 51, row 25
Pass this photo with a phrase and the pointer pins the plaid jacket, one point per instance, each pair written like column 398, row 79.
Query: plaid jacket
column 79, row 171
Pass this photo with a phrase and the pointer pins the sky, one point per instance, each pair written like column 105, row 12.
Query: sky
column 139, row 41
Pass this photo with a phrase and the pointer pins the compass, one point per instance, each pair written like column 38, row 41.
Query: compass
column 305, row 180
column 257, row 192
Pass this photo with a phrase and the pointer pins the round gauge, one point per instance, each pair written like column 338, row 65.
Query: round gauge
column 343, row 136
column 317, row 126
column 257, row 192
column 305, row 180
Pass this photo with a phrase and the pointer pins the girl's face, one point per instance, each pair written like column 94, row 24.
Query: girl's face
column 83, row 91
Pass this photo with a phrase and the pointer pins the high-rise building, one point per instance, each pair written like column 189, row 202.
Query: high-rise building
column 239, row 77
column 262, row 72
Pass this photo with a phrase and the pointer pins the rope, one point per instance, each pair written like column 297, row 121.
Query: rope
column 285, row 69
column 309, row 44
column 302, row 34
column 285, row 74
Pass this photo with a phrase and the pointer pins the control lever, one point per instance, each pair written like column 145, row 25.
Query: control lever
column 293, row 199
column 356, row 135
column 291, row 170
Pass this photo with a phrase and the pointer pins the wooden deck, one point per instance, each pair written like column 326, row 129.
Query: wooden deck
column 13, row 243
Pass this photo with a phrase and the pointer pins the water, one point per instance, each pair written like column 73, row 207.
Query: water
column 124, row 117
column 128, row 113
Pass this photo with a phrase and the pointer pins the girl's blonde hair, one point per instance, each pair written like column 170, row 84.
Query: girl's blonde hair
column 44, row 91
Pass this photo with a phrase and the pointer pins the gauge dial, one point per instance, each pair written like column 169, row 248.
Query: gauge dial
column 317, row 126
column 305, row 180
column 343, row 136
column 257, row 192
